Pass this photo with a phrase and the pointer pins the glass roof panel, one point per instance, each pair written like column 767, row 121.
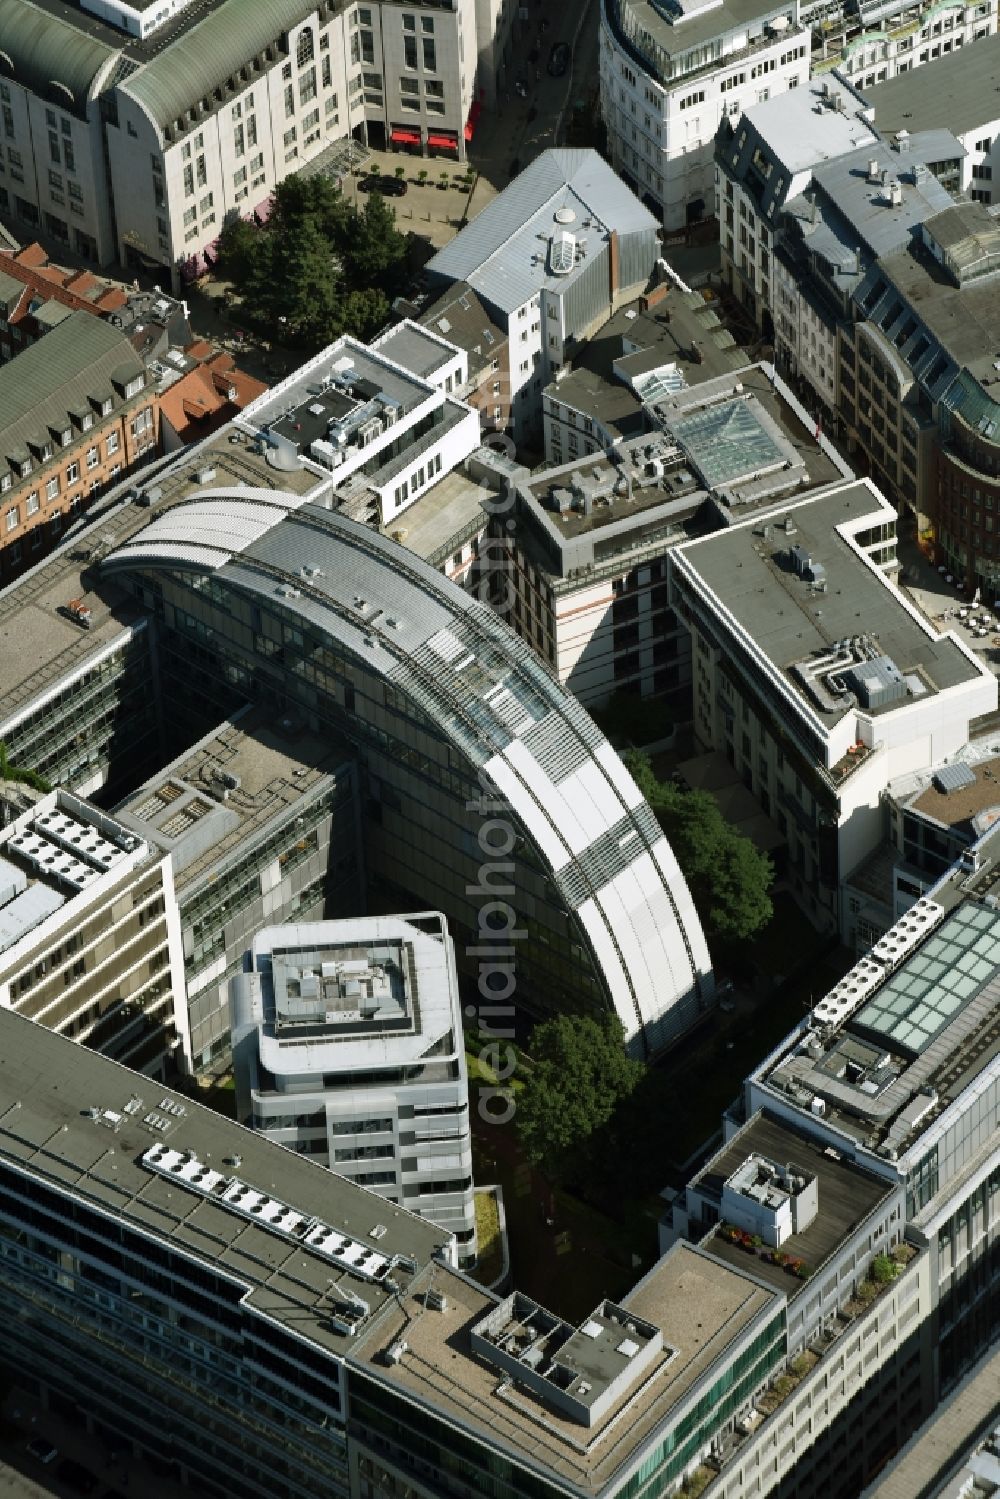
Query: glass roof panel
column 929, row 990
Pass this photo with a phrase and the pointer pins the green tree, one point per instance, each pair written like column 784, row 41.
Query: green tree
column 579, row 1076
column 378, row 253
column 304, row 286
column 729, row 878
column 364, row 312
column 240, row 245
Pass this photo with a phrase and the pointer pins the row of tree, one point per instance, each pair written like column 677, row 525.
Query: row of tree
column 319, row 267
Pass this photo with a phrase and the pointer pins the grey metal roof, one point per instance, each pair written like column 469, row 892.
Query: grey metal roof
column 496, row 253
column 60, row 376
column 863, row 205
column 800, row 128
column 49, row 55
column 959, row 95
column 487, row 693
column 203, row 57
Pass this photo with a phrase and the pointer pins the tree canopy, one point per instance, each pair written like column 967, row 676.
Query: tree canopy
column 729, row 878
column 579, row 1076
column 319, row 267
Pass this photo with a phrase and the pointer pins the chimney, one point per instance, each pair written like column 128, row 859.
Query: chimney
column 696, row 356
column 895, row 193
column 874, row 175
column 613, row 266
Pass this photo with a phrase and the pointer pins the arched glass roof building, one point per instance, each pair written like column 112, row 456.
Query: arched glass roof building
column 485, row 782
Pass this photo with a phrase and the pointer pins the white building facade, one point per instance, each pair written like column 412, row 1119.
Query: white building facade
column 347, row 1046
column 153, row 144
column 671, row 72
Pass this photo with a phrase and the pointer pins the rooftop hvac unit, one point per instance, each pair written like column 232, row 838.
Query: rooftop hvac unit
column 436, row 1301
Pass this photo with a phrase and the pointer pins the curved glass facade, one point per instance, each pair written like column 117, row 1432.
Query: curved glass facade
column 488, row 792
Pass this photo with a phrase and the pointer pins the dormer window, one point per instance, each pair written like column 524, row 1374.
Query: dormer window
column 24, row 468
column 106, row 407
column 46, row 451
column 5, row 482
column 88, row 421
column 132, row 388
column 64, row 437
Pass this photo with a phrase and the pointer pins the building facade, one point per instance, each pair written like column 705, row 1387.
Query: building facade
column 89, row 939
column 158, row 130
column 261, row 823
column 76, row 411
column 348, row 1047
column 583, row 575
column 671, row 72
column 817, row 678
column 446, row 695
column 552, row 258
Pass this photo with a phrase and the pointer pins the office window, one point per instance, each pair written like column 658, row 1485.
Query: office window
column 31, row 503
column 72, row 473
column 11, row 518
column 430, row 54
column 52, row 487
column 112, row 443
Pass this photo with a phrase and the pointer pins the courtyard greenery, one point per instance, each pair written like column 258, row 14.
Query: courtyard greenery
column 320, row 267
column 729, row 878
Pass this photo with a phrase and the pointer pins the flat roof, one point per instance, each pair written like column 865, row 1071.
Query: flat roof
column 754, row 584
column 48, row 1087
column 444, row 518
column 695, row 23
column 959, row 96
column 39, row 644
column 965, row 320
column 847, row 1193
column 889, row 1087
column 190, row 810
column 971, row 807
column 804, row 126
column 383, row 990
column 701, row 1305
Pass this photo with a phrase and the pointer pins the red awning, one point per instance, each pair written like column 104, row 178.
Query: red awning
column 444, row 142
column 473, row 119
column 404, row 137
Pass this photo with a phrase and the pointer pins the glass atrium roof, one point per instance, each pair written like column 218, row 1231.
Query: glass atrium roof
column 926, row 993
column 727, row 442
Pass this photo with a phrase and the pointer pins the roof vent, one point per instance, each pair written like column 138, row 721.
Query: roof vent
column 565, row 215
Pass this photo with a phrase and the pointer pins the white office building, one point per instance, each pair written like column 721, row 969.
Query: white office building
column 552, row 258
column 671, row 70
column 347, row 1045
column 818, row 679
column 134, row 132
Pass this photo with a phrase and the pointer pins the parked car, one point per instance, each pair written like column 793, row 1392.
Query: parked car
column 559, row 59
column 42, row 1451
column 389, row 187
